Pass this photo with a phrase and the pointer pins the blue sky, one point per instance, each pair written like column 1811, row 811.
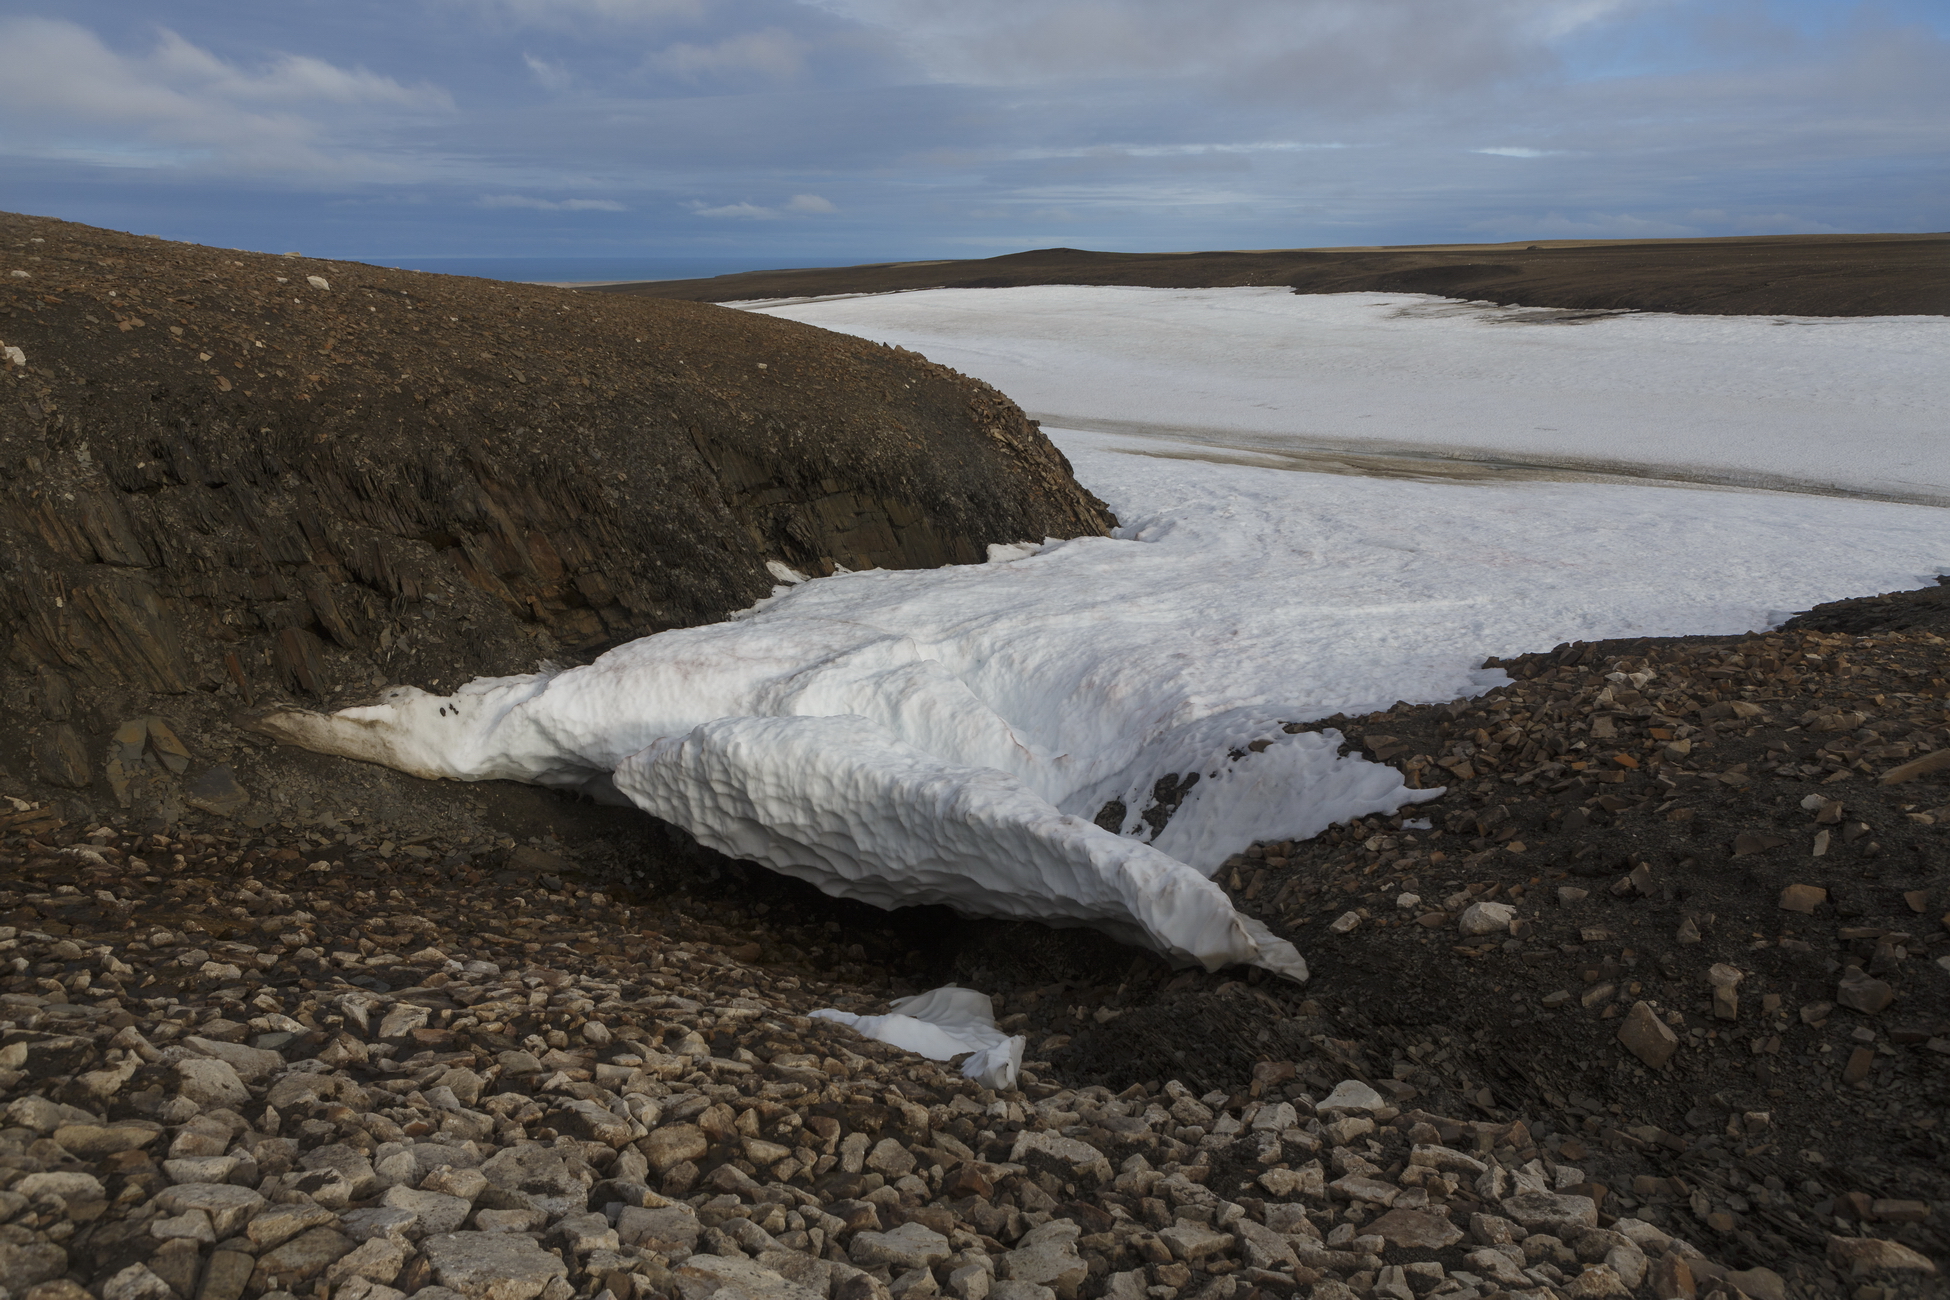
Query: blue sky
column 842, row 130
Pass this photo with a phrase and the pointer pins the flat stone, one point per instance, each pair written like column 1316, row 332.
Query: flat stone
column 376, row 1259
column 211, row 1083
column 200, row 1169
column 1357, row 1187
column 215, row 790
column 1860, row 991
column 304, row 1256
column 587, row 1120
column 136, row 1282
column 191, row 1225
column 250, row 1063
column 23, row 1264
column 737, row 1276
column 1647, row 1037
column 377, row 1221
column 1803, row 898
column 1864, row 1256
column 542, row 1175
column 226, row 1275
column 510, row 1220
column 1047, row 1257
column 672, row 1144
column 1552, row 1212
column 229, row 1208
column 279, row 1223
column 1073, row 1155
column 1759, row 1283
column 1415, row 1229
column 583, row 1233
column 466, row 1183
column 403, row 1020
column 1497, row 1266
column 1190, row 1241
column 663, row 1230
column 436, row 1212
column 60, row 1183
column 1479, row 919
column 1264, row 1248
column 890, row 1158
column 1597, row 1282
column 912, row 1245
column 296, row 1090
column 93, row 1141
column 1352, row 1094
column 492, row 1265
column 1015, row 1290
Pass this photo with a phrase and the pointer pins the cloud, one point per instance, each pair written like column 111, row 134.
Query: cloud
column 773, row 52
column 1278, row 50
column 1517, row 151
column 744, row 211
column 62, row 89
column 797, row 205
column 548, row 205
column 571, row 14
column 549, row 76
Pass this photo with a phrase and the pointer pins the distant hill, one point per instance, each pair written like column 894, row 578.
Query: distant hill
column 1797, row 275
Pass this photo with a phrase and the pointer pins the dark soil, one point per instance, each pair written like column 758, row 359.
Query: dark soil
column 1794, row 275
column 224, row 486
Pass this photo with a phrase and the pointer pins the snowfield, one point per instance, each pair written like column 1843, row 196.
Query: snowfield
column 1827, row 403
column 951, row 735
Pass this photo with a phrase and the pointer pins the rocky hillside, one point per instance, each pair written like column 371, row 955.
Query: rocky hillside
column 229, row 478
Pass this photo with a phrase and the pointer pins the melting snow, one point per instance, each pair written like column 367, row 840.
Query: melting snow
column 941, row 1025
column 948, row 736
column 1850, row 402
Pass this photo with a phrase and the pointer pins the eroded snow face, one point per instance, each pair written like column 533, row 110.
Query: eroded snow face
column 949, row 735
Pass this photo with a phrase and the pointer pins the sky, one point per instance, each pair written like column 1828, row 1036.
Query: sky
column 801, row 132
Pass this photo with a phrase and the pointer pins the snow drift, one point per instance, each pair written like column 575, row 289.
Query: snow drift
column 952, row 735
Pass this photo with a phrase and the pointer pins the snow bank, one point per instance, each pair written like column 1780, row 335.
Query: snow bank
column 941, row 1024
column 1850, row 402
column 951, row 735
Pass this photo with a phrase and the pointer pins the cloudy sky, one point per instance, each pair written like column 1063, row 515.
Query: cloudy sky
column 844, row 130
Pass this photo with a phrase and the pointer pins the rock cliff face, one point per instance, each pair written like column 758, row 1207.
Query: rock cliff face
column 230, row 478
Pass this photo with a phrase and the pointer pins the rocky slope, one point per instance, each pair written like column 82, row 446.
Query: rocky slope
column 1801, row 275
column 1675, row 1034
column 229, row 478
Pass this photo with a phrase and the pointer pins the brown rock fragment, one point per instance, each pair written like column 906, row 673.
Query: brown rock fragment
column 1859, row 992
column 1647, row 1037
column 1916, row 767
column 62, row 757
column 216, row 791
column 1415, row 1229
column 1860, row 1062
column 1803, row 898
column 1864, row 1256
